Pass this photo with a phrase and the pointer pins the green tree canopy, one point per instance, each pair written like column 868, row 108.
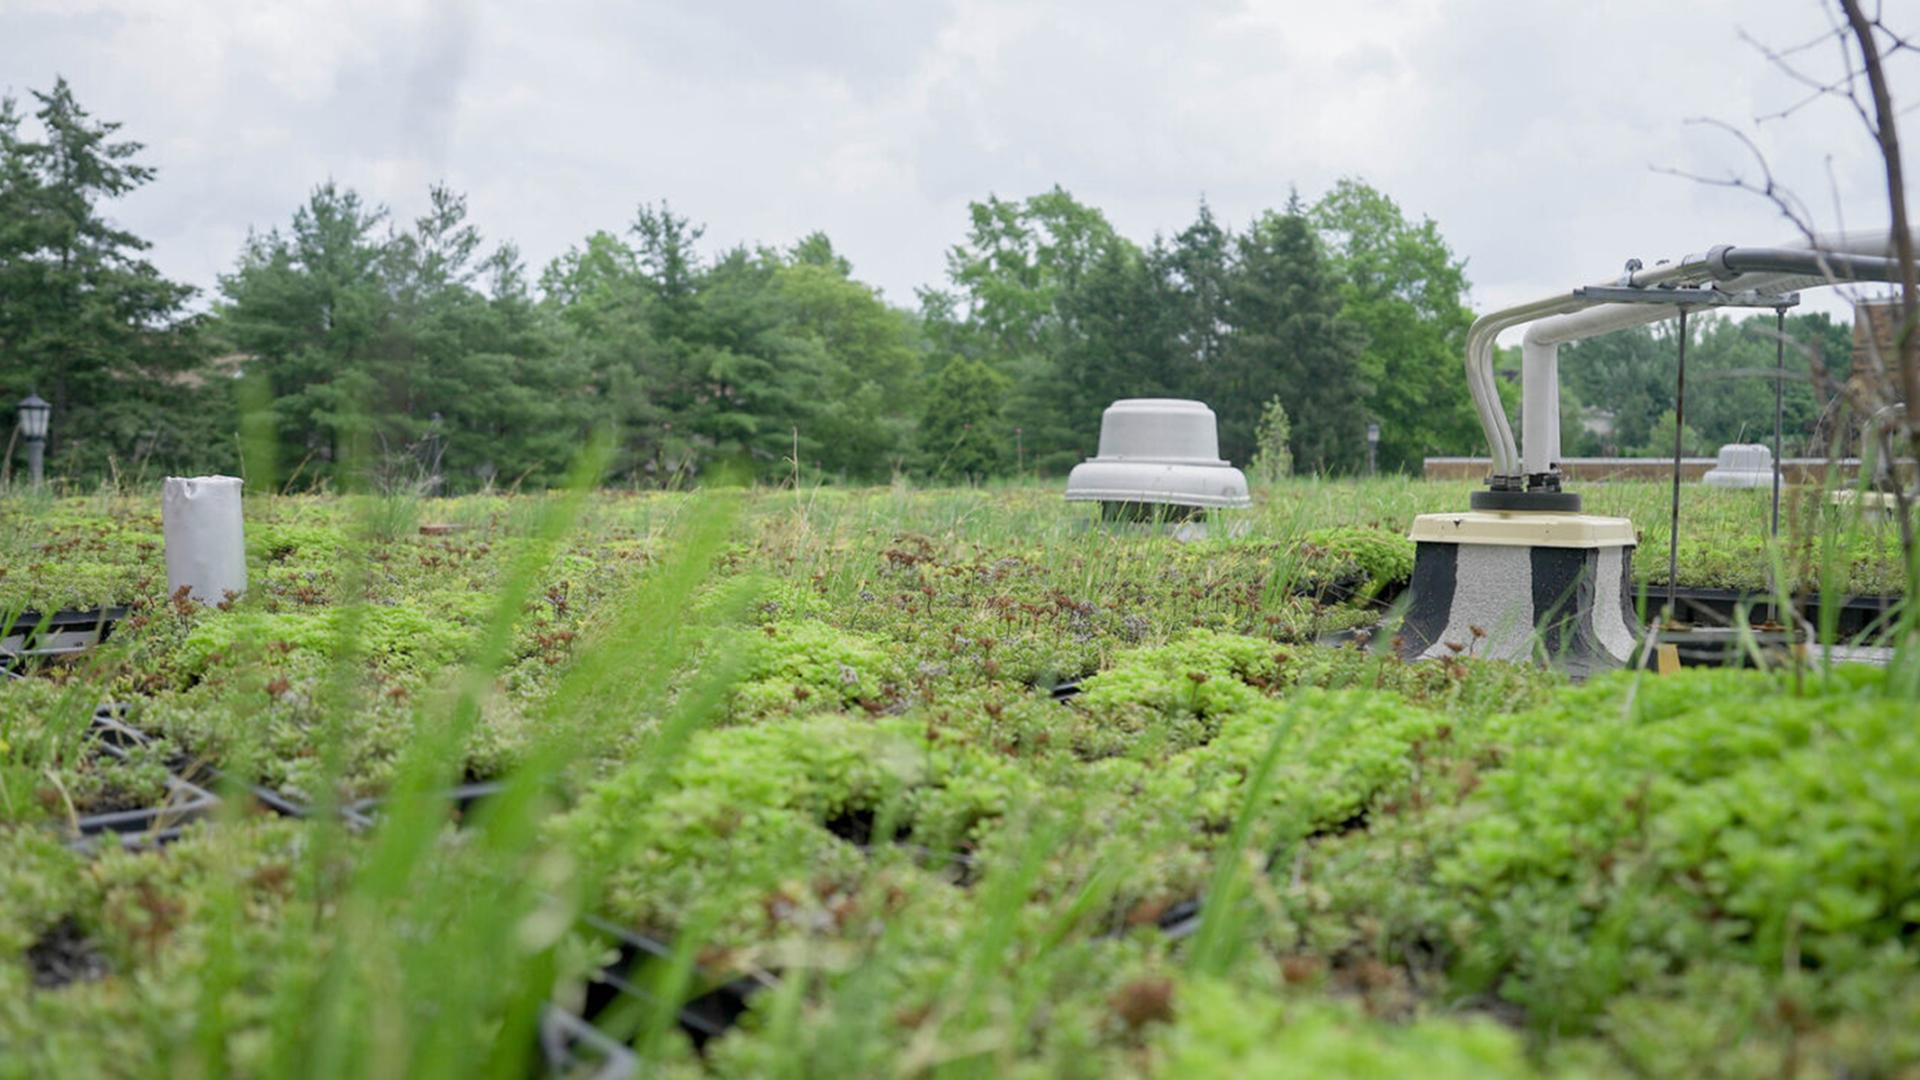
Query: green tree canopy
column 743, row 360
column 963, row 436
column 1012, row 304
column 421, row 354
column 405, row 352
column 1402, row 287
column 1291, row 341
column 1627, row 377
column 85, row 319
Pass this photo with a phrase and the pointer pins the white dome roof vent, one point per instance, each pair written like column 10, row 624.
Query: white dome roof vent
column 1158, row 452
column 1741, row 465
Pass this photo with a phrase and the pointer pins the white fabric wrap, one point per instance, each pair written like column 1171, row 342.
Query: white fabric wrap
column 206, row 543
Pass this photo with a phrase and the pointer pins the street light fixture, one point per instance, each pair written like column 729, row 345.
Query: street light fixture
column 33, row 429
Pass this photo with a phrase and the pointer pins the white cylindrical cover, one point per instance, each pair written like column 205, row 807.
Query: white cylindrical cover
column 1160, row 429
column 206, row 542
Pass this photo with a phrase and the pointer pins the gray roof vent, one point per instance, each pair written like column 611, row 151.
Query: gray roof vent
column 1741, row 465
column 1158, row 452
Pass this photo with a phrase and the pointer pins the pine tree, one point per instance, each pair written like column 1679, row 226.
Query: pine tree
column 962, row 436
column 85, row 319
column 403, row 357
column 1290, row 341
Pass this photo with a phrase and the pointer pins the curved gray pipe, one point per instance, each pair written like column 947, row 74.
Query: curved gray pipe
column 1835, row 267
column 1828, row 260
column 1480, row 339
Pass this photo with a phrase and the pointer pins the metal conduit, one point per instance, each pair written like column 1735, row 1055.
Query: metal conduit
column 1823, row 261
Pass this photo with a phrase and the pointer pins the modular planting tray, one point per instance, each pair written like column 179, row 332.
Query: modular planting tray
column 710, row 1013
column 151, row 825
column 1351, row 588
column 1726, row 646
column 569, row 1046
column 464, row 797
column 707, row 1016
column 60, row 634
column 115, row 733
column 1858, row 614
column 148, row 826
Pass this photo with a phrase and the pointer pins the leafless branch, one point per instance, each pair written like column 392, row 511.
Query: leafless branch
column 1833, row 191
column 1883, row 393
column 1820, row 94
column 1841, row 88
column 1822, row 38
column 1789, row 204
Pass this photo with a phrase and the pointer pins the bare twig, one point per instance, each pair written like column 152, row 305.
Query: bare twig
column 1789, row 204
column 1884, row 393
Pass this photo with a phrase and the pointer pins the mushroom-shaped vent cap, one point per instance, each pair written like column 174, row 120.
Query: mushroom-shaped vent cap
column 1159, row 450
column 1160, row 429
column 1741, row 465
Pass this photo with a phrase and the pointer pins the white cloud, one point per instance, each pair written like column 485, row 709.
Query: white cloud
column 1528, row 128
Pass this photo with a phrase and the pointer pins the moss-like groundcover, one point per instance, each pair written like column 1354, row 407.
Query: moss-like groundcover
column 813, row 743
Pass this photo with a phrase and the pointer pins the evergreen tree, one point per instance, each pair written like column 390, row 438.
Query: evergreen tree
column 1199, row 266
column 309, row 306
column 963, row 435
column 402, row 353
column 600, row 312
column 415, row 351
column 1127, row 340
column 85, row 319
column 744, row 360
column 1290, row 341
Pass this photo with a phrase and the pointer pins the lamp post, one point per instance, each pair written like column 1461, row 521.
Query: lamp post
column 33, row 429
column 1373, row 447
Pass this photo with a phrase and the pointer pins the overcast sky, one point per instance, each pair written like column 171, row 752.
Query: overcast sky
column 1529, row 129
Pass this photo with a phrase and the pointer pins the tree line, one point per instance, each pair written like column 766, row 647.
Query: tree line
column 369, row 349
column 1618, row 391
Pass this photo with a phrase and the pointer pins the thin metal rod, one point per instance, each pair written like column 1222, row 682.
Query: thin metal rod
column 1779, row 391
column 1679, row 428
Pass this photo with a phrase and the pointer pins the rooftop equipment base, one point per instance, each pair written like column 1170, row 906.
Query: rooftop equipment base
column 1182, row 523
column 1538, row 499
column 1523, row 585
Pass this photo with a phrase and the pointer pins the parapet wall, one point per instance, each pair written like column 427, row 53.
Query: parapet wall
column 1792, row 470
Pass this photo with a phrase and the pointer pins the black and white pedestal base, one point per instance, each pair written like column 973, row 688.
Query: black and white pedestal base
column 1552, row 588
